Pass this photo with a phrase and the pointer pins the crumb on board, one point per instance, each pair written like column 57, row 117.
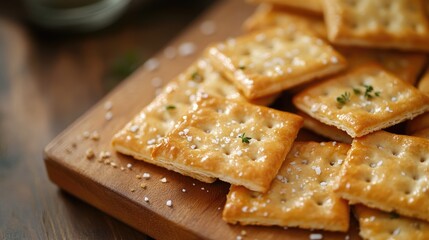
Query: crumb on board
column 89, row 154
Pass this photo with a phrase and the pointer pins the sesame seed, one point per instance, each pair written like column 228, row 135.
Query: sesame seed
column 146, row 175
column 129, row 165
column 108, row 116
column 151, row 64
column 316, row 236
column 186, row 49
column 169, row 203
column 163, row 180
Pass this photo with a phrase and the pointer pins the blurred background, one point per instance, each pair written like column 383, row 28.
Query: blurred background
column 54, row 65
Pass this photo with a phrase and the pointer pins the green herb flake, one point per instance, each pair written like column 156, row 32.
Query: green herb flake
column 357, row 91
column 242, row 67
column 170, row 107
column 344, row 98
column 244, row 139
column 196, row 77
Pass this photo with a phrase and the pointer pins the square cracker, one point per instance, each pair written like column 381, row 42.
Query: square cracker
column 147, row 128
column 400, row 24
column 300, row 196
column 324, row 130
column 315, row 6
column 390, row 101
column 405, row 65
column 269, row 61
column 388, row 172
column 267, row 15
column 421, row 122
column 378, row 225
column 209, row 141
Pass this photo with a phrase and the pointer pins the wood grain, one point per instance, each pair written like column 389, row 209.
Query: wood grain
column 195, row 213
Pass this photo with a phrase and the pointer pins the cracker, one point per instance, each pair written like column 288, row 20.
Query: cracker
column 377, row 225
column 142, row 133
column 314, row 6
column 267, row 15
column 269, row 61
column 388, row 172
column 239, row 143
column 399, row 24
column 424, row 133
column 300, row 196
column 405, row 65
column 324, row 130
column 348, row 102
column 421, row 122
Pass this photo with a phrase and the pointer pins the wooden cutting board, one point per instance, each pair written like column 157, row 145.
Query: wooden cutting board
column 114, row 185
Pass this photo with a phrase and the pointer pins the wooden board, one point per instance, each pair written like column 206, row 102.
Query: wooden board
column 115, row 189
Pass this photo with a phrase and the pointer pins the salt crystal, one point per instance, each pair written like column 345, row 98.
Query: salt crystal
column 151, row 64
column 170, row 52
column 169, row 203
column 163, row 180
column 208, row 27
column 129, row 165
column 146, row 175
column 108, row 116
column 108, row 105
column 186, row 49
column 316, row 236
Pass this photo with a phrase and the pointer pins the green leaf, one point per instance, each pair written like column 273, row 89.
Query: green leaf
column 244, row 139
column 170, row 107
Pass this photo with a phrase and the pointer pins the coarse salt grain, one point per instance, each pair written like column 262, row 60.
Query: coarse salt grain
column 151, row 64
column 170, row 52
column 183, row 190
column 169, row 203
column 108, row 105
column 156, row 82
column 146, row 175
column 163, row 180
column 208, row 27
column 95, row 136
column 108, row 116
column 134, row 128
column 129, row 165
column 317, row 170
column 85, row 134
column 316, row 236
column 146, row 199
column 186, row 49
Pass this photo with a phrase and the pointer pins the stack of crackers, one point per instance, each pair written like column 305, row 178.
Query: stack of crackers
column 354, row 71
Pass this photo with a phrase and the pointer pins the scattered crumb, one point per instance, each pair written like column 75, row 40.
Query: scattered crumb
column 107, row 161
column 138, row 176
column 163, row 180
column 122, row 168
column 95, row 136
column 85, row 134
column 132, row 190
column 316, row 236
column 186, row 49
column 239, row 237
column 114, row 165
column 142, row 185
column 169, row 203
column 89, row 153
column 104, row 154
column 243, row 232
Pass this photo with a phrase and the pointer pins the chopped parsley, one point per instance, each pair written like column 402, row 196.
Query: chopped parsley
column 196, row 77
column 344, row 98
column 242, row 67
column 244, row 139
column 170, row 107
column 369, row 91
column 357, row 91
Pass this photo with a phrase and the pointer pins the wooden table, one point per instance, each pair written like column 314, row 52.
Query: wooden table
column 49, row 79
